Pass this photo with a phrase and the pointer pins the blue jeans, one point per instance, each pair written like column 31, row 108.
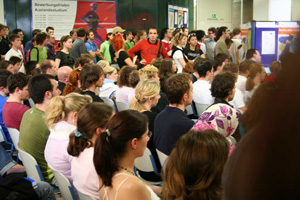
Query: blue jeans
column 44, row 191
column 6, row 162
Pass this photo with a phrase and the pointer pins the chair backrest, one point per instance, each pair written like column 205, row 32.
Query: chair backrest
column 14, row 134
column 32, row 168
column 4, row 138
column 122, row 106
column 189, row 110
column 162, row 157
column 110, row 102
column 146, row 163
column 64, row 185
column 201, row 108
column 84, row 196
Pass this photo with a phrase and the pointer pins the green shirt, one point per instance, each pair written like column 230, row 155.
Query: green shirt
column 33, row 138
column 128, row 45
column 104, row 49
column 221, row 47
column 42, row 54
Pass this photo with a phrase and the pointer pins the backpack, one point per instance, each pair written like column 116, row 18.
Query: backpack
column 37, row 54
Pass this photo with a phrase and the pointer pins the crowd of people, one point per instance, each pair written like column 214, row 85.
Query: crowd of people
column 65, row 104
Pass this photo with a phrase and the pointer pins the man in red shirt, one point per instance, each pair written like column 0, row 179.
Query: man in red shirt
column 149, row 48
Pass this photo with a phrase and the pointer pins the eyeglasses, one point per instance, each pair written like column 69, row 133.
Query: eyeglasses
column 149, row 134
column 210, row 33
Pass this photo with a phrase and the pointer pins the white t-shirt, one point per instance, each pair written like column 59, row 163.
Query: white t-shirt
column 202, row 47
column 18, row 53
column 124, row 94
column 178, row 54
column 241, row 83
column 238, row 100
column 234, row 48
column 202, row 93
column 249, row 94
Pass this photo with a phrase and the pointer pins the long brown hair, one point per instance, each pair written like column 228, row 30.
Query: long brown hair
column 253, row 70
column 195, row 166
column 92, row 116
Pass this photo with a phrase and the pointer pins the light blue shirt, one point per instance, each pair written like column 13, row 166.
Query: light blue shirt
column 91, row 46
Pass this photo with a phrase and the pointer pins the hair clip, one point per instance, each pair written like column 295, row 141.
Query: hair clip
column 108, row 133
column 78, row 134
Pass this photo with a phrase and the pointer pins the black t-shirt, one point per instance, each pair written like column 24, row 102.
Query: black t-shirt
column 193, row 54
column 162, row 103
column 122, row 57
column 91, row 94
column 65, row 59
column 4, row 47
column 112, row 54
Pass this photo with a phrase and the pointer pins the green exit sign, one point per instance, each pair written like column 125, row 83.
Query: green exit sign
column 214, row 16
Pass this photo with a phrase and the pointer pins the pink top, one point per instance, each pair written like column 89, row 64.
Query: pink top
column 12, row 113
column 124, row 94
column 84, row 175
column 56, row 153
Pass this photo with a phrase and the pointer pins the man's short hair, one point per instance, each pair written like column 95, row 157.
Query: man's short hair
column 4, row 74
column 81, row 32
column 14, row 60
column 198, row 61
column 88, row 32
column 250, row 53
column 16, row 31
column 73, row 31
column 176, row 86
column 38, row 86
column 30, row 66
column 19, row 80
column 245, row 66
column 222, row 84
column 107, row 35
column 46, row 64
column 231, row 67
column 82, row 60
column 13, row 37
column 148, row 72
column 212, row 29
column 219, row 59
column 2, row 27
column 35, row 32
column 40, row 38
column 152, row 27
column 203, row 68
column 89, row 75
column 4, row 64
column 49, row 28
column 163, row 32
column 236, row 31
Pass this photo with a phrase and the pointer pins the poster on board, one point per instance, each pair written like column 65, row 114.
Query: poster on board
column 288, row 39
column 177, row 16
column 64, row 15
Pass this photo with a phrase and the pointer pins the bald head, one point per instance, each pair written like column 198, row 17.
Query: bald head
column 63, row 74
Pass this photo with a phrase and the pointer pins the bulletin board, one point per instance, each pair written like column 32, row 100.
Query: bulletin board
column 178, row 16
column 65, row 15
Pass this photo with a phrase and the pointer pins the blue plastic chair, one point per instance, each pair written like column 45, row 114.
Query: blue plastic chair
column 7, row 142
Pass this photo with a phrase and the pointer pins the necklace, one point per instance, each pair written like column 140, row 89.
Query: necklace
column 127, row 170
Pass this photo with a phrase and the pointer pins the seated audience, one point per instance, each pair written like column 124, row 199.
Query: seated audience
column 82, row 60
column 91, row 76
column 49, row 67
column 219, row 63
column 73, row 83
column 108, row 90
column 256, row 76
column 178, row 55
column 146, row 97
column 166, row 69
column 61, row 116
column 122, row 56
column 33, row 129
column 39, row 52
column 4, row 74
column 63, row 77
column 16, row 62
column 126, row 90
column 92, row 121
column 7, row 65
column 244, row 73
column 275, row 67
column 115, row 150
column 201, row 93
column 253, row 55
column 30, row 66
column 195, row 166
column 238, row 101
column 103, row 63
column 13, row 110
column 221, row 116
column 172, row 122
column 63, row 56
column 156, row 62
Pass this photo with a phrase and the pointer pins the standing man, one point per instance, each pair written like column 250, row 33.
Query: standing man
column 236, row 48
column 63, row 77
column 73, row 34
column 15, row 42
column 253, row 55
column 50, row 30
column 50, row 47
column 49, row 67
column 4, row 46
column 20, row 33
column 104, row 48
column 222, row 35
column 149, row 49
column 79, row 47
column 91, row 45
column 210, row 43
column 28, row 44
column 165, row 37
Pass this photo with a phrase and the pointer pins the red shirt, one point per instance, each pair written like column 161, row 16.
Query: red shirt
column 12, row 114
column 148, row 50
column 167, row 46
column 270, row 78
